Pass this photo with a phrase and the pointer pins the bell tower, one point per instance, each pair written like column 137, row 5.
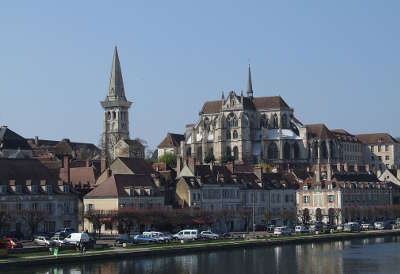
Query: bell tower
column 116, row 112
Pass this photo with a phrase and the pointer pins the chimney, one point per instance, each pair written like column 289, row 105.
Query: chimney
column 66, row 168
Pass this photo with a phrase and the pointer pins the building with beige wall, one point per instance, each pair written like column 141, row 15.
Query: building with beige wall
column 347, row 197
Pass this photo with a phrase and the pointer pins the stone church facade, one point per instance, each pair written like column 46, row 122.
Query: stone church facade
column 248, row 129
column 115, row 138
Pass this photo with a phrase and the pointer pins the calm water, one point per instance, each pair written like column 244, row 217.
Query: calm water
column 379, row 255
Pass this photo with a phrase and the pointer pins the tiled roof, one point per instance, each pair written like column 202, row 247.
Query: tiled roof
column 258, row 103
column 172, row 140
column 137, row 166
column 376, row 138
column 24, row 169
column 115, row 185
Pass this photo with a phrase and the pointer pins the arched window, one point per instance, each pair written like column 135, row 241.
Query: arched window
column 284, row 121
column 286, row 151
column 199, row 154
column 324, row 150
column 296, row 151
column 228, row 134
column 236, row 153
column 333, row 150
column 232, row 120
column 108, row 115
column 114, row 114
column 235, row 134
column 273, row 151
column 275, row 121
column 189, row 152
column 228, row 152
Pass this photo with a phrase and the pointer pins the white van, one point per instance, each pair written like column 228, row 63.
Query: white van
column 187, row 234
column 282, row 230
column 75, row 238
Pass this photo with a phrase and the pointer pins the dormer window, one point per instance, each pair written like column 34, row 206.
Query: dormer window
column 131, row 191
column 66, row 188
column 330, row 187
column 3, row 189
column 305, row 187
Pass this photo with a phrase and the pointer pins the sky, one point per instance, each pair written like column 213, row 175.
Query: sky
column 333, row 62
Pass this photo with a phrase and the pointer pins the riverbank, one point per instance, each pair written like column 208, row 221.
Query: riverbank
column 43, row 258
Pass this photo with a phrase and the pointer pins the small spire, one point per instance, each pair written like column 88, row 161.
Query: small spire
column 223, row 95
column 249, row 85
column 116, row 87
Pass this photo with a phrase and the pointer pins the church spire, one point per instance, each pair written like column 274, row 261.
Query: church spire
column 116, row 89
column 249, row 85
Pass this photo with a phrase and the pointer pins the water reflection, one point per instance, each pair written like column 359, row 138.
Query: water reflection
column 379, row 255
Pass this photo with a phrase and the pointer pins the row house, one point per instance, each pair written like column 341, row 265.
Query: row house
column 248, row 199
column 347, row 197
column 34, row 198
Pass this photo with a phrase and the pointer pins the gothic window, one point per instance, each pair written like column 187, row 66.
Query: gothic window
column 236, row 153
column 114, row 114
column 228, row 135
column 232, row 120
column 333, row 152
column 315, row 150
column 228, row 151
column 284, row 121
column 189, row 152
column 235, row 134
column 275, row 121
column 296, row 151
column 286, row 151
column 108, row 115
column 199, row 153
column 273, row 151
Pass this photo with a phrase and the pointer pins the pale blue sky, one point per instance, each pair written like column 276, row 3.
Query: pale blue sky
column 335, row 62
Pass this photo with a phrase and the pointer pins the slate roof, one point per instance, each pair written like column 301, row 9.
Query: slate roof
column 343, row 135
column 258, row 103
column 376, row 138
column 172, row 140
column 138, row 166
column 319, row 131
column 11, row 140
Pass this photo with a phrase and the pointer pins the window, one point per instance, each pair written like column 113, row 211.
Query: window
column 272, row 151
column 66, row 188
column 108, row 226
column 372, row 149
column 286, row 151
column 49, row 188
column 228, row 151
column 379, row 148
column 131, row 191
column 236, row 153
column 90, row 207
column 18, row 189
column 387, row 158
column 114, row 114
column 3, row 189
column 386, row 148
column 331, row 198
column 380, row 158
column 235, row 134
column 67, row 223
column 228, row 134
column 35, row 206
column 306, row 199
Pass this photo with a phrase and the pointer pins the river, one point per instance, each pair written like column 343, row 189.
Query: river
column 375, row 255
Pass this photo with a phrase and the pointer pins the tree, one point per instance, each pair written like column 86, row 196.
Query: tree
column 4, row 219
column 246, row 214
column 267, row 217
column 225, row 216
column 32, row 218
column 168, row 158
column 100, row 217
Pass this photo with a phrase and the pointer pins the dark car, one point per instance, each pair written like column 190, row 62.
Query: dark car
column 13, row 243
column 123, row 239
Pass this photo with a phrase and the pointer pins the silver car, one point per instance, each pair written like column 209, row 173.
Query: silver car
column 209, row 235
column 42, row 241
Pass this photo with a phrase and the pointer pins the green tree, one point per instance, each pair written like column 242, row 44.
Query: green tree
column 168, row 158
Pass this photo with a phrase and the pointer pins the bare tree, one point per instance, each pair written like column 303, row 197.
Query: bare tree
column 5, row 219
column 32, row 218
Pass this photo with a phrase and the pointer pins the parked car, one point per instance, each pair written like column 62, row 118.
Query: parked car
column 123, row 239
column 42, row 240
column 144, row 239
column 339, row 227
column 65, row 232
column 208, row 235
column 271, row 228
column 352, row 227
column 13, row 243
column 382, row 225
column 367, row 226
column 75, row 238
column 282, row 231
column 301, row 229
column 159, row 236
column 57, row 240
column 187, row 234
column 318, row 227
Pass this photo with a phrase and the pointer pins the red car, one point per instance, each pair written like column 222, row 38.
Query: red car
column 13, row 243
